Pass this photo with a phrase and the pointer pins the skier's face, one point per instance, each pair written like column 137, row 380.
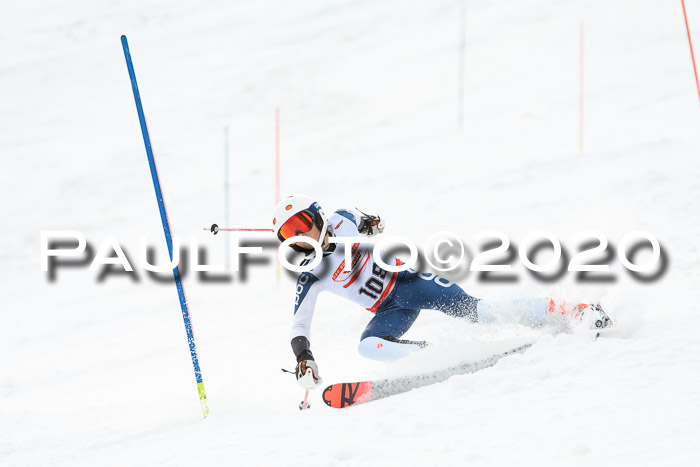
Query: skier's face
column 313, row 233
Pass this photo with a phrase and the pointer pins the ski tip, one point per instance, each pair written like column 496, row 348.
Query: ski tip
column 343, row 395
column 327, row 395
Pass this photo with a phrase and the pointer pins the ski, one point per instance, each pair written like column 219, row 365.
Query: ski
column 343, row 395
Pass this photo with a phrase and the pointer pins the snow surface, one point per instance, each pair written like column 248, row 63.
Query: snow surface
column 98, row 373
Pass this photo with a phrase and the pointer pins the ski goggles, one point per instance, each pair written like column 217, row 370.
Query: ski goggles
column 299, row 223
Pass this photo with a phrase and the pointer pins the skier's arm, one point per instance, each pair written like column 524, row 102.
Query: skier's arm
column 367, row 224
column 307, row 290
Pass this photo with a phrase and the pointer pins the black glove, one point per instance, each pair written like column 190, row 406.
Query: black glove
column 370, row 225
column 300, row 346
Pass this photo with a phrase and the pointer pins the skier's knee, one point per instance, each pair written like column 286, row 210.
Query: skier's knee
column 376, row 348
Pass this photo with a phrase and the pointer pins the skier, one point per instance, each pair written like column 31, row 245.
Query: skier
column 395, row 298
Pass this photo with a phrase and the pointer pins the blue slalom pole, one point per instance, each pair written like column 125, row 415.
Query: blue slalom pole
column 166, row 229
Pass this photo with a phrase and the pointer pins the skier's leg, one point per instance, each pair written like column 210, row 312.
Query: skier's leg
column 387, row 348
column 429, row 291
column 539, row 311
column 380, row 339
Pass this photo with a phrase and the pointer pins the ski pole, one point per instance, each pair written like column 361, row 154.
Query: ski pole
column 305, row 404
column 215, row 229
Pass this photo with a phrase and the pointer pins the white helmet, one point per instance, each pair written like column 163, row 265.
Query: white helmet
column 291, row 206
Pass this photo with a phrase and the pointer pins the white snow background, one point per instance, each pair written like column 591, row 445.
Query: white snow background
column 99, row 373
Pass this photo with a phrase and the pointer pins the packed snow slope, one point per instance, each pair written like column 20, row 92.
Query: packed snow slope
column 97, row 372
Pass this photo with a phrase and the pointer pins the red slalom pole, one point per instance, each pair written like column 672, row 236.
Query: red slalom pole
column 690, row 43
column 277, row 155
column 277, row 177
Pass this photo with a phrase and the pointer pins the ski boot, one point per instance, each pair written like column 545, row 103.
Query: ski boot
column 590, row 314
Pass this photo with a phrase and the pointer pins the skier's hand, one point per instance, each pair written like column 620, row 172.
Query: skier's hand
column 307, row 375
column 371, row 225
